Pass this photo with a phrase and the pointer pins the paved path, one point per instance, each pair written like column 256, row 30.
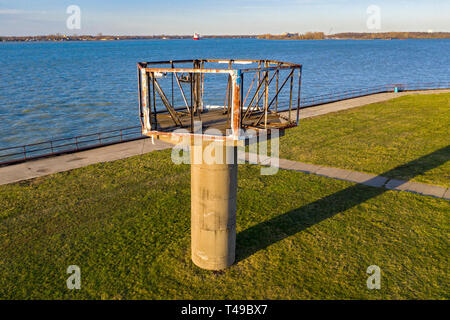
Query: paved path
column 358, row 102
column 43, row 167
column 356, row 177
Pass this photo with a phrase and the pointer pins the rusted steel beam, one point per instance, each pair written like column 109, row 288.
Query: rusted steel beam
column 203, row 78
column 229, row 103
column 190, row 70
column 290, row 96
column 181, row 134
column 148, row 102
column 225, row 105
column 249, row 89
column 256, row 105
column 254, row 97
column 166, row 62
column 141, row 115
column 257, row 93
column 193, row 94
column 235, row 112
column 299, row 91
column 267, row 69
column 281, row 88
column 194, row 86
column 198, row 87
column 275, row 62
column 192, row 111
column 282, row 63
column 154, row 102
column 266, row 99
column 166, row 102
column 145, row 95
column 229, row 94
column 273, row 99
column 172, row 73
column 228, row 60
column 217, row 70
column 241, row 107
column 276, row 89
column 182, row 92
column 141, row 65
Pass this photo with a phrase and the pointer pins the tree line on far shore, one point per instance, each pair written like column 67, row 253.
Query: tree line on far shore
column 284, row 36
column 361, row 36
column 100, row 37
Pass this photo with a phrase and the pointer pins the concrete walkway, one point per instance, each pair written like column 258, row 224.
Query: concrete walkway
column 43, row 167
column 356, row 177
column 38, row 168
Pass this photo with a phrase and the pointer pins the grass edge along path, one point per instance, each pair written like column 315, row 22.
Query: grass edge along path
column 377, row 138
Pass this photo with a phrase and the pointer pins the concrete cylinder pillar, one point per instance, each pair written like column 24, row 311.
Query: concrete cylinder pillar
column 213, row 204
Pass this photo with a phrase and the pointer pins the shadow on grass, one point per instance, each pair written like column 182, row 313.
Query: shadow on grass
column 419, row 166
column 264, row 234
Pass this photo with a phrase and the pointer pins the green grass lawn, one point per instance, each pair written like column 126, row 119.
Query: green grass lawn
column 379, row 138
column 126, row 225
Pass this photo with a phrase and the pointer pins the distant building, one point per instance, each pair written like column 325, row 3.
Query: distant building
column 289, row 35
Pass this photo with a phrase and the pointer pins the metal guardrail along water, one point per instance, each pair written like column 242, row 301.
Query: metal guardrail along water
column 26, row 152
column 67, row 145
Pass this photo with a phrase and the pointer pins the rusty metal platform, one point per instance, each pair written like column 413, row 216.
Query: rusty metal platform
column 256, row 103
column 215, row 119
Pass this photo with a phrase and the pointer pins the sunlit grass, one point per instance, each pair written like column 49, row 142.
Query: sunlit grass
column 378, row 138
column 126, row 224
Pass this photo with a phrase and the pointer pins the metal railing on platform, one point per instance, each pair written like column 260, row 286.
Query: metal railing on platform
column 26, row 152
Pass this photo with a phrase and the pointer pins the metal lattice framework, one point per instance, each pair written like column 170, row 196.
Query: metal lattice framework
column 176, row 94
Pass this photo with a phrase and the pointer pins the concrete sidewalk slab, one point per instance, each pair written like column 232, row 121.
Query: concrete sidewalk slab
column 420, row 188
column 367, row 179
column 288, row 164
column 305, row 167
column 401, row 185
column 43, row 167
column 428, row 190
column 335, row 173
column 282, row 163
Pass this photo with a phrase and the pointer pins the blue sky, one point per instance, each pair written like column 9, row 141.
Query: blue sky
column 139, row 17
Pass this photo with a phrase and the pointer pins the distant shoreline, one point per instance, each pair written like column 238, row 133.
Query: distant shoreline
column 284, row 36
column 357, row 36
column 64, row 38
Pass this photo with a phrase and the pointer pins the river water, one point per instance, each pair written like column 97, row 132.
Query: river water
column 52, row 90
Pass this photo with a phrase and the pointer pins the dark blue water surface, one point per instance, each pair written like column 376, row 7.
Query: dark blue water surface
column 51, row 90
